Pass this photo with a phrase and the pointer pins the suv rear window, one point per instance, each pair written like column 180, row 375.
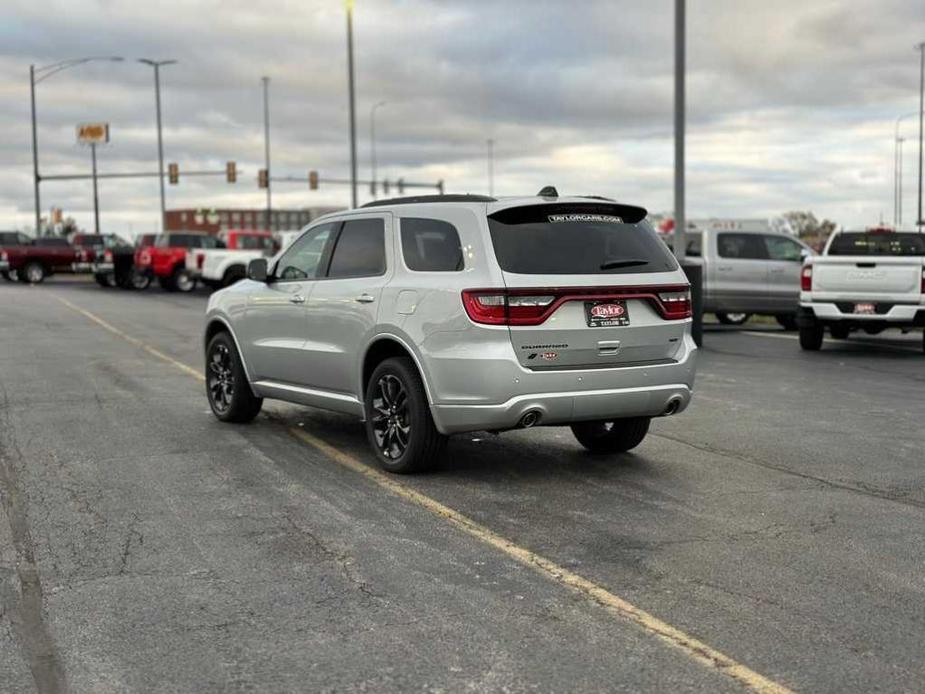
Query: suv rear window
column 577, row 240
column 430, row 245
column 892, row 243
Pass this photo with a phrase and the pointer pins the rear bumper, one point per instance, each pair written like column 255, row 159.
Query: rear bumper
column 898, row 315
column 564, row 397
column 81, row 267
column 102, row 268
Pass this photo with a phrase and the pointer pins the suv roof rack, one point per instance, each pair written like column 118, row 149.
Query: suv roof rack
column 430, row 198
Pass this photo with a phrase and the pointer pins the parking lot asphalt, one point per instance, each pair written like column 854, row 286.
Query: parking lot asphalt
column 144, row 546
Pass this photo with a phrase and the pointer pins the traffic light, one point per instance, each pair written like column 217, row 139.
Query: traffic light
column 401, row 186
column 231, row 172
column 313, row 180
column 173, row 173
column 263, row 178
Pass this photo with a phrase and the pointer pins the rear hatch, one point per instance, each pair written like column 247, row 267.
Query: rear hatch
column 871, row 263
column 588, row 285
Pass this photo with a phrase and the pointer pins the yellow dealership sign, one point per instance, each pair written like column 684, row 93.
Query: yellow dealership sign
column 93, row 133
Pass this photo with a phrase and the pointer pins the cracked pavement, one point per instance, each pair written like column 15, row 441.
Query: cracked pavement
column 781, row 520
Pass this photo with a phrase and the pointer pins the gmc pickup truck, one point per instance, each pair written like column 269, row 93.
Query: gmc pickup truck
column 227, row 263
column 869, row 280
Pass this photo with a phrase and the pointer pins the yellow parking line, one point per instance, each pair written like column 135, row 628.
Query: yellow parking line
column 692, row 647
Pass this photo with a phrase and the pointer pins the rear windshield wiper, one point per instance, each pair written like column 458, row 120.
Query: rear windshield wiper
column 629, row 262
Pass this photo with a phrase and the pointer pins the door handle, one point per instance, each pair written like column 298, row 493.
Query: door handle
column 296, row 299
column 365, row 299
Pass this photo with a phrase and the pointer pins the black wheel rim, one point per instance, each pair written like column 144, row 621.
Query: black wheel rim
column 220, row 378
column 391, row 425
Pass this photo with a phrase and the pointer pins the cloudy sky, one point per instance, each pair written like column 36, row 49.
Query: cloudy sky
column 792, row 104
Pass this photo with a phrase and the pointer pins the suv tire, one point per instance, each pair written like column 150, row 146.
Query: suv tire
column 230, row 395
column 811, row 337
column 615, row 436
column 399, row 425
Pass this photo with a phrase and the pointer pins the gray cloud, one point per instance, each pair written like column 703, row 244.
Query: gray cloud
column 575, row 94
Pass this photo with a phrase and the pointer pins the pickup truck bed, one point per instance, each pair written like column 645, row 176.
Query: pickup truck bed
column 864, row 281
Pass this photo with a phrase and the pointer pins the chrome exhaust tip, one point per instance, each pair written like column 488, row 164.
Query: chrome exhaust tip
column 529, row 419
column 673, row 406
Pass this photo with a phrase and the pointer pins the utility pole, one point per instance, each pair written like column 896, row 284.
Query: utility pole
column 899, row 183
column 680, row 221
column 374, row 189
column 96, row 195
column 920, row 220
column 353, row 119
column 266, row 145
column 491, row 166
column 156, row 64
column 35, row 155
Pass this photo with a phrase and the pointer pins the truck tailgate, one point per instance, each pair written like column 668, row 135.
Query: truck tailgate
column 868, row 275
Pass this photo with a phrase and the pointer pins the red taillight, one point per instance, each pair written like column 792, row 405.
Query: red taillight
column 4, row 256
column 806, row 278
column 200, row 261
column 107, row 256
column 144, row 258
column 923, row 280
column 534, row 306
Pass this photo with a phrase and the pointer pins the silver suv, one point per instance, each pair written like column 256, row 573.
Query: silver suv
column 436, row 315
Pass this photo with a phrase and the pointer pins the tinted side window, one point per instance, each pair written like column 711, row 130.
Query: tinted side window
column 303, row 259
column 184, row 241
column 360, row 250
column 430, row 245
column 741, row 246
column 782, row 248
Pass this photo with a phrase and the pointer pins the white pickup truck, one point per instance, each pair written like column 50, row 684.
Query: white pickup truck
column 870, row 281
column 225, row 265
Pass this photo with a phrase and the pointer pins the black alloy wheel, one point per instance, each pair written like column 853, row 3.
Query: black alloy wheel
column 391, row 427
column 399, row 424
column 220, row 379
column 230, row 395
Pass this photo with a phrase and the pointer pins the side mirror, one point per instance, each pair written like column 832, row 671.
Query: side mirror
column 257, row 270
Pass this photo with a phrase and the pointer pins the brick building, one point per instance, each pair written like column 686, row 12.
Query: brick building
column 213, row 220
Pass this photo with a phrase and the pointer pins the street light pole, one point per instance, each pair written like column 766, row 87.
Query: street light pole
column 157, row 64
column 372, row 145
column 491, row 166
column 353, row 120
column 96, row 195
column 899, row 182
column 680, row 222
column 920, row 221
column 36, row 75
column 266, row 143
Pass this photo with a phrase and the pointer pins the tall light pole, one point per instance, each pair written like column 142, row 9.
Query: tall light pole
column 920, row 221
column 897, row 164
column 36, row 75
column 353, row 118
column 157, row 64
column 680, row 221
column 372, row 144
column 491, row 166
column 266, row 143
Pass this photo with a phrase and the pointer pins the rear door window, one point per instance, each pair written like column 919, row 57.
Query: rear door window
column 430, row 245
column 359, row 250
column 741, row 246
column 577, row 240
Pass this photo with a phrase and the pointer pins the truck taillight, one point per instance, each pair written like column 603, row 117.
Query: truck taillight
column 107, row 256
column 534, row 306
column 923, row 280
column 144, row 258
column 806, row 279
column 3, row 256
column 200, row 261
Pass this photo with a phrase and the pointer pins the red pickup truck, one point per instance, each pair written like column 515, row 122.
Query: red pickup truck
column 12, row 238
column 166, row 259
column 37, row 260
